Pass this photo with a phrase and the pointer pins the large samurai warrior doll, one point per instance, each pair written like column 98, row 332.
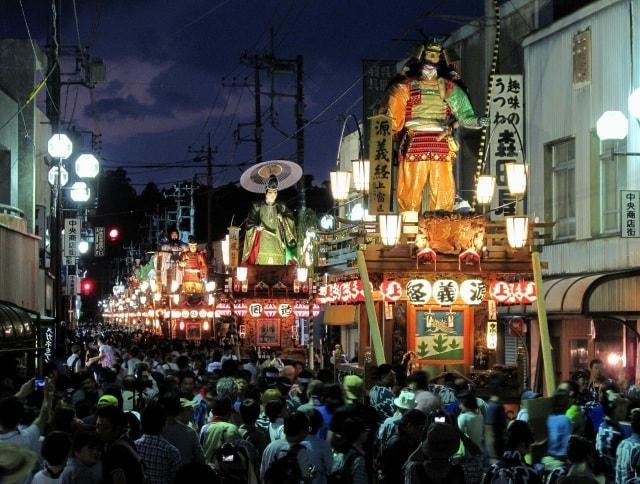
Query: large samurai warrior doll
column 270, row 238
column 194, row 267
column 425, row 102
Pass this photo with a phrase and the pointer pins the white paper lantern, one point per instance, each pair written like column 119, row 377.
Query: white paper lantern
column 340, row 184
column 419, row 291
column 445, row 292
column 612, row 125
column 472, row 291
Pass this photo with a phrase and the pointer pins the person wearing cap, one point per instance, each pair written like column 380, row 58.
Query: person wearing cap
column 400, row 446
column 523, row 413
column 404, row 402
column 432, row 461
column 518, row 443
column 270, row 236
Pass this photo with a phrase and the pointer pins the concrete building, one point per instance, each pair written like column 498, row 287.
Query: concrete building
column 24, row 190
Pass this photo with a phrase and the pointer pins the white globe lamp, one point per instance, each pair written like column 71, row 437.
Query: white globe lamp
column 612, row 125
column 60, row 146
column 80, row 192
column 87, row 166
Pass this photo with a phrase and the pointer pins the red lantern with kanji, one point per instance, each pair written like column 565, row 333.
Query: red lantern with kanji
column 529, row 293
column 301, row 309
column 270, row 310
column 315, row 311
column 500, row 291
column 240, row 309
column 223, row 309
column 391, row 291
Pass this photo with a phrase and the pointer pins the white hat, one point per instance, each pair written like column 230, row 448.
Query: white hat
column 406, row 400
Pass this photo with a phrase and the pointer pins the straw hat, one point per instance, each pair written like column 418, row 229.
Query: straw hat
column 16, row 463
column 406, row 400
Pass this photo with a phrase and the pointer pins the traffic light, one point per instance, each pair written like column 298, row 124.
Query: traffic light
column 87, row 286
column 113, row 233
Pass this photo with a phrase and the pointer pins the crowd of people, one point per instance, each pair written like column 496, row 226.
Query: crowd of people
column 133, row 408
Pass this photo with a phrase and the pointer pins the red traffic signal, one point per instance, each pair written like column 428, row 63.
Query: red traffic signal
column 87, row 286
column 113, row 233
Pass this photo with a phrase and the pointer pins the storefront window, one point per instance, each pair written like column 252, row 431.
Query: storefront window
column 578, row 353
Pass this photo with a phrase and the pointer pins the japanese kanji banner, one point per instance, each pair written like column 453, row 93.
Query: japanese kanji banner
column 630, row 209
column 71, row 239
column 376, row 75
column 380, row 152
column 506, row 137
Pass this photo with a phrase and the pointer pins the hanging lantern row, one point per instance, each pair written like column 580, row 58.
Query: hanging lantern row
column 507, row 293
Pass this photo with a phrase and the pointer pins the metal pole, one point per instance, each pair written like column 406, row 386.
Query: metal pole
column 209, row 200
column 374, row 329
column 549, row 376
column 312, row 358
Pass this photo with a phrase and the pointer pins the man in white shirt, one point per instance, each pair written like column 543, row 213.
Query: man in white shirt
column 11, row 411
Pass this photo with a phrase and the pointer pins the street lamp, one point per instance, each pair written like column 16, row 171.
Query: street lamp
column 612, row 125
column 361, row 175
column 80, row 192
column 87, row 166
column 60, row 146
column 517, row 230
column 340, row 184
column 485, row 188
column 516, row 178
column 390, row 228
column 52, row 176
column 83, row 247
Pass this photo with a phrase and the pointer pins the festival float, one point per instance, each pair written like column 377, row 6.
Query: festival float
column 424, row 277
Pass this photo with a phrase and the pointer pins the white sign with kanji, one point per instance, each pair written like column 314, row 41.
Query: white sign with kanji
column 630, row 209
column 71, row 237
column 506, row 137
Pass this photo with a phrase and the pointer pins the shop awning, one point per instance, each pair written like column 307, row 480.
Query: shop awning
column 343, row 315
column 613, row 293
column 15, row 324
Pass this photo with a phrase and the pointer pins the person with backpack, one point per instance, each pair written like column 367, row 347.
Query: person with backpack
column 286, row 461
column 348, row 439
column 511, row 468
column 74, row 362
column 320, row 453
column 400, row 446
column 432, row 462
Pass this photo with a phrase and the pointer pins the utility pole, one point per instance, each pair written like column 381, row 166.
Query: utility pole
column 209, row 153
column 300, row 131
column 258, row 63
column 53, row 113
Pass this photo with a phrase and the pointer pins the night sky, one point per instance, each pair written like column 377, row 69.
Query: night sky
column 166, row 61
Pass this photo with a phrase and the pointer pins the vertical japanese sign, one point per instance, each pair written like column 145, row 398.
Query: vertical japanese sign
column 630, row 208
column 71, row 239
column 506, row 136
column 380, row 152
column 48, row 343
column 376, row 75
column 98, row 245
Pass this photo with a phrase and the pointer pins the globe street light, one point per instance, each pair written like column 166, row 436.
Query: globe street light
column 52, row 176
column 87, row 166
column 80, row 192
column 60, row 146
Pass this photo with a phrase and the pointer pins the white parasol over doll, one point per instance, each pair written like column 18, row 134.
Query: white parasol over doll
column 255, row 179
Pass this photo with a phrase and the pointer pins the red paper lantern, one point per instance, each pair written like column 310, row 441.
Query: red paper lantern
column 270, row 309
column 301, row 309
column 391, row 291
column 240, row 309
